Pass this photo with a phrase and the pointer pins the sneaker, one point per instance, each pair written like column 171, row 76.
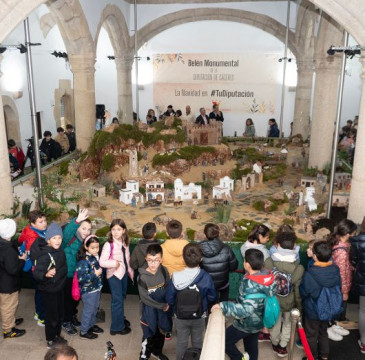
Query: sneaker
column 279, row 350
column 340, row 330
column 76, row 323
column 88, row 336
column 245, row 356
column 159, row 357
column 362, row 346
column 13, row 333
column 36, row 317
column 69, row 328
column 332, row 335
column 51, row 344
column 168, row 336
column 40, row 323
column 125, row 331
column 299, row 344
column 264, row 337
column 96, row 329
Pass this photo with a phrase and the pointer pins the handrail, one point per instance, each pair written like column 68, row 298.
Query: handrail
column 215, row 337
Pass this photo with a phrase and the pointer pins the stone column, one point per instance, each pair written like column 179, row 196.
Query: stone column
column 324, row 111
column 124, row 83
column 6, row 197
column 301, row 121
column 84, row 98
column 357, row 195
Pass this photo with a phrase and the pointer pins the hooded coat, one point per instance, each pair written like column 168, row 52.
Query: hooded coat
column 218, row 261
column 357, row 258
column 317, row 277
column 249, row 313
column 172, row 257
column 10, row 268
column 48, row 257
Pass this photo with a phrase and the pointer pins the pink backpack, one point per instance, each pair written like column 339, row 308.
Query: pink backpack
column 75, row 292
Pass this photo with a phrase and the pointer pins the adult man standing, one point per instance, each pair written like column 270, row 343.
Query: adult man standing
column 189, row 116
column 216, row 113
column 202, row 119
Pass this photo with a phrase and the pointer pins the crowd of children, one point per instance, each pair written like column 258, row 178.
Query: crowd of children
column 179, row 283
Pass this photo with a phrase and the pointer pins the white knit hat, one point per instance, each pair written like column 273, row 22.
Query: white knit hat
column 7, row 228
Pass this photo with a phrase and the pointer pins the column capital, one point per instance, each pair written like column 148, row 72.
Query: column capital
column 125, row 61
column 305, row 65
column 84, row 63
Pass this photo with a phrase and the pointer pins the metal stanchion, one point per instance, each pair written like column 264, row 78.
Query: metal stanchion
column 295, row 316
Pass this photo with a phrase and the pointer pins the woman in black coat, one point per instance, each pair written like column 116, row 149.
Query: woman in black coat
column 357, row 258
column 218, row 260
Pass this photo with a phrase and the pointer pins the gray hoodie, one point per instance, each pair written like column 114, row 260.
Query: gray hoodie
column 249, row 245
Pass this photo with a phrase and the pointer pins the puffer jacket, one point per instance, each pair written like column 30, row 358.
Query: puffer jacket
column 218, row 261
column 249, row 313
column 357, row 258
column 10, row 268
column 341, row 257
column 88, row 281
column 29, row 235
column 48, row 257
column 172, row 255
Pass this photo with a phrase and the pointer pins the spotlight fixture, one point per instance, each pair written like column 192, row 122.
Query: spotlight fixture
column 60, row 54
column 350, row 51
column 22, row 48
column 2, row 49
column 111, row 57
column 285, row 58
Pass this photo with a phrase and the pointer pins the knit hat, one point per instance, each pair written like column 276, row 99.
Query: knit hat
column 53, row 230
column 7, row 228
column 362, row 226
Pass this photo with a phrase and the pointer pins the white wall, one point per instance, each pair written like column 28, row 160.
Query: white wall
column 47, row 71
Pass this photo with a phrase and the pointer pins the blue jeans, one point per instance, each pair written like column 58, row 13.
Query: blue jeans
column 118, row 288
column 91, row 303
column 250, row 342
column 38, row 299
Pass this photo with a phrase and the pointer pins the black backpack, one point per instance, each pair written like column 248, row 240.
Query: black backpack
column 189, row 303
column 192, row 353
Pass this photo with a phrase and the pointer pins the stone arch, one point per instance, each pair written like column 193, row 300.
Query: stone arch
column 262, row 22
column 11, row 117
column 112, row 19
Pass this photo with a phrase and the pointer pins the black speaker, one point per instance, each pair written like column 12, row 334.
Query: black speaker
column 100, row 110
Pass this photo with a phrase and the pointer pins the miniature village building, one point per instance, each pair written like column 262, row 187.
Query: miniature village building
column 98, row 190
column 309, row 198
column 308, row 181
column 342, row 180
column 223, row 190
column 341, row 200
column 197, row 134
column 248, row 181
column 155, row 190
column 187, row 192
column 131, row 193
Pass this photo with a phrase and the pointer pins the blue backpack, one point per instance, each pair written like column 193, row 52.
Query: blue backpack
column 328, row 305
column 272, row 309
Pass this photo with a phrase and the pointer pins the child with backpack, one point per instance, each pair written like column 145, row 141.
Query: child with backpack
column 218, row 260
column 115, row 258
column 50, row 272
column 138, row 257
column 74, row 234
column 188, row 293
column 173, row 247
column 90, row 280
column 35, row 230
column 320, row 291
column 155, row 320
column 257, row 287
column 288, row 274
column 286, row 229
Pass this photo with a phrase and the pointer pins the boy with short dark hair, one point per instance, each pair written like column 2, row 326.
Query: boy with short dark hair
column 322, row 274
column 138, row 256
column 50, row 272
column 248, row 313
column 199, row 284
column 61, row 352
column 218, row 260
column 152, row 281
column 71, row 137
column 289, row 272
column 173, row 247
column 36, row 229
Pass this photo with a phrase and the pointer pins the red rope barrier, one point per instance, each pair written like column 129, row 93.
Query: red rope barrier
column 303, row 337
